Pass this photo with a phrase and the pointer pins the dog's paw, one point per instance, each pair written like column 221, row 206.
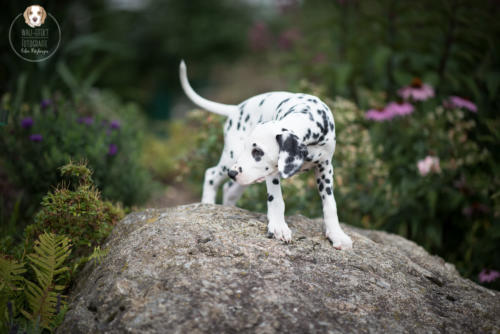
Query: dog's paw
column 279, row 231
column 339, row 240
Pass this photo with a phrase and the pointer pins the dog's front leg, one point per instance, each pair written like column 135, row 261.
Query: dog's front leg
column 333, row 231
column 277, row 226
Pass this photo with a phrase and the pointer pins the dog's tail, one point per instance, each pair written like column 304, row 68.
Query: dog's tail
column 218, row 108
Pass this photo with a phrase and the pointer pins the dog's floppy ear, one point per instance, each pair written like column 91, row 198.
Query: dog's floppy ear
column 292, row 154
column 44, row 15
column 26, row 13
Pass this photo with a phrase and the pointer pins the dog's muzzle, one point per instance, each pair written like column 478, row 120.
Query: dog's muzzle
column 232, row 174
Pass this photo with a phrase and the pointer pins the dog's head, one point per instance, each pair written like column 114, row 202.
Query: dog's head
column 34, row 16
column 269, row 149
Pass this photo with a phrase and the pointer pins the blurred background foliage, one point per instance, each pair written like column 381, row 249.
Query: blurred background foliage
column 111, row 96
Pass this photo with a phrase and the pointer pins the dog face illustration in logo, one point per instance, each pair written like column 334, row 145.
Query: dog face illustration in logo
column 34, row 16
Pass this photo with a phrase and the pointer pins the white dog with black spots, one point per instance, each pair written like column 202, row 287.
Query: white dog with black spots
column 269, row 137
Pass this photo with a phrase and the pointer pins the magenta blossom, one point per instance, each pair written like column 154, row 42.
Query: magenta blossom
column 379, row 115
column 416, row 91
column 458, row 102
column 487, row 275
column 27, row 122
column 36, row 138
column 400, row 108
column 392, row 110
column 113, row 149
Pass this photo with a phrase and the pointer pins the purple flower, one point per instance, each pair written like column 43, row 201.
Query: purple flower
column 36, row 138
column 27, row 122
column 112, row 149
column 487, row 275
column 399, row 108
column 417, row 91
column 114, row 124
column 86, row 120
column 45, row 103
column 459, row 102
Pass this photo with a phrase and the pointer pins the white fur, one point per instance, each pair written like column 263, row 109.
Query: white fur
column 272, row 136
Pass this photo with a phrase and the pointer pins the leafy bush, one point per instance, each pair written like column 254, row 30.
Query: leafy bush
column 101, row 130
column 72, row 216
column 78, row 213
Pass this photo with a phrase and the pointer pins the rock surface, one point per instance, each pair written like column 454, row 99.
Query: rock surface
column 210, row 269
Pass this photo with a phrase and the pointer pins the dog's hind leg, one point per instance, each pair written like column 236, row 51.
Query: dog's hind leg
column 213, row 178
column 232, row 192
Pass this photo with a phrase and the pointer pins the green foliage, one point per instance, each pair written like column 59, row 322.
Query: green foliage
column 103, row 131
column 44, row 296
column 78, row 212
column 40, row 289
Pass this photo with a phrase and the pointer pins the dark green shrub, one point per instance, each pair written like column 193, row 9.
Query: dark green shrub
column 102, row 130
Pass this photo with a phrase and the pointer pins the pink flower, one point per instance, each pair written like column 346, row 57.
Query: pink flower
column 401, row 109
column 417, row 91
column 487, row 275
column 393, row 109
column 379, row 115
column 427, row 165
column 259, row 36
column 458, row 102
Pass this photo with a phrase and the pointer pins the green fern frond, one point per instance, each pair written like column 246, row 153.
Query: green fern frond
column 10, row 274
column 98, row 255
column 44, row 297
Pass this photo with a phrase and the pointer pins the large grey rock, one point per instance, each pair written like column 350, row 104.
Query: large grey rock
column 208, row 268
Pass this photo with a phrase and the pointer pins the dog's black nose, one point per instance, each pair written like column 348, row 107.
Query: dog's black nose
column 232, row 174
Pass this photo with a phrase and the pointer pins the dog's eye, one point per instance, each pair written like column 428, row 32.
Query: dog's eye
column 257, row 154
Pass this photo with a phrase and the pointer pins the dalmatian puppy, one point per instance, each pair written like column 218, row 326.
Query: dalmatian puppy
column 34, row 16
column 270, row 137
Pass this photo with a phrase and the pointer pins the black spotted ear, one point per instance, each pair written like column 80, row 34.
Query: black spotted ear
column 292, row 154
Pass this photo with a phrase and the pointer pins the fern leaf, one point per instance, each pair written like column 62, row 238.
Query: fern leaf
column 43, row 297
column 10, row 274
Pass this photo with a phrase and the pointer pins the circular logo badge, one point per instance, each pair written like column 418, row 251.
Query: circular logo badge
column 35, row 35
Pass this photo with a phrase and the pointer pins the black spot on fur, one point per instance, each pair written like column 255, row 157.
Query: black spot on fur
column 247, row 118
column 328, row 190
column 261, row 102
column 284, row 101
column 240, row 169
column 211, row 182
column 327, row 180
column 238, row 127
column 276, row 181
column 270, row 198
column 320, row 187
column 231, row 154
column 283, row 129
column 229, row 124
